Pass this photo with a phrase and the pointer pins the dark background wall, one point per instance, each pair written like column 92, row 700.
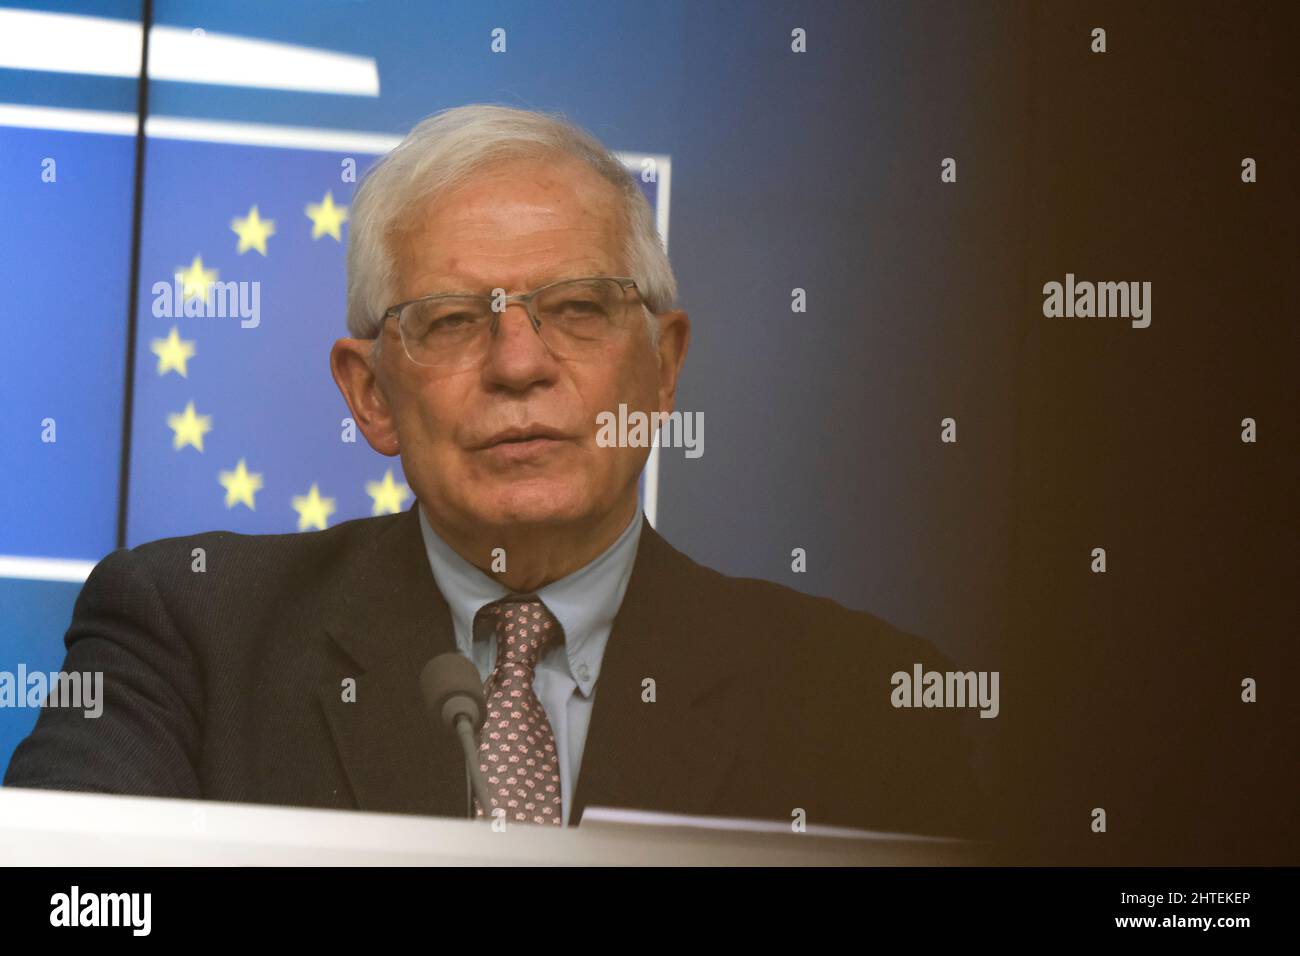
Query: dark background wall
column 1130, row 440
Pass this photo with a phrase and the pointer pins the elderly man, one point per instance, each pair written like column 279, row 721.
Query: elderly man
column 506, row 287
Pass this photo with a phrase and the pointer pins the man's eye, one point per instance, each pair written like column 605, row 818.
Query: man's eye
column 579, row 308
column 451, row 323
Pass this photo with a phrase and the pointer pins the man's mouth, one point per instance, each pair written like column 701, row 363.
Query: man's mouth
column 535, row 436
column 531, row 444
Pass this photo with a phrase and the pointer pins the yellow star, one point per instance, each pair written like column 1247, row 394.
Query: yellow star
column 173, row 352
column 197, row 279
column 240, row 485
column 389, row 496
column 313, row 510
column 189, row 428
column 253, row 231
column 326, row 217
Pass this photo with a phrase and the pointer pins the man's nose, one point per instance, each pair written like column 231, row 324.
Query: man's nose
column 517, row 356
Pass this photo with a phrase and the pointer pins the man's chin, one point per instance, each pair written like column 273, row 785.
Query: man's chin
column 535, row 504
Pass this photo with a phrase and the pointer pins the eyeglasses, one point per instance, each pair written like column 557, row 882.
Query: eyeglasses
column 452, row 331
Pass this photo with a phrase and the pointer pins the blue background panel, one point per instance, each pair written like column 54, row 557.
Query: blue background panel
column 36, row 614
column 65, row 260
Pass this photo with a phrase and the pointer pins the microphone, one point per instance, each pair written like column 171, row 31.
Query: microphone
column 453, row 696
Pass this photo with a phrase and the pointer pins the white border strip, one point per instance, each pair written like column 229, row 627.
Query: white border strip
column 194, row 130
column 650, row 504
column 257, row 134
column 664, row 175
column 221, row 59
column 99, row 46
column 72, row 121
column 68, row 43
column 45, row 569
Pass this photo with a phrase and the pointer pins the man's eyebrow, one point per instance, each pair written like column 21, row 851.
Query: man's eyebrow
column 534, row 281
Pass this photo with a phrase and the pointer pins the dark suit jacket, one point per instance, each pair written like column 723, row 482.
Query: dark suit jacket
column 226, row 684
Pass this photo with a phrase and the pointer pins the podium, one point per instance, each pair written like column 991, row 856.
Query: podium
column 55, row 828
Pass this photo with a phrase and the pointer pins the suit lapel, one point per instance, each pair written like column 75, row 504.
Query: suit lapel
column 389, row 620
column 669, row 754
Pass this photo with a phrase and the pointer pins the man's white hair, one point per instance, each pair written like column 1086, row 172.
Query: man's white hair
column 447, row 148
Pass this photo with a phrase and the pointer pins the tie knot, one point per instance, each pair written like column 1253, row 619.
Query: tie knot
column 524, row 628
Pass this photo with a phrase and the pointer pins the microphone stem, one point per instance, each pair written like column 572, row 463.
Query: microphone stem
column 469, row 744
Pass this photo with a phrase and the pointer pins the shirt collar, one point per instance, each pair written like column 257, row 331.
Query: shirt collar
column 584, row 602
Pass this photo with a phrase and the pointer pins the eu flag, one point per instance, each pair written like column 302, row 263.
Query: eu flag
column 236, row 422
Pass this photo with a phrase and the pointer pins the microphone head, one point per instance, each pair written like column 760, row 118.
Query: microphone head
column 450, row 687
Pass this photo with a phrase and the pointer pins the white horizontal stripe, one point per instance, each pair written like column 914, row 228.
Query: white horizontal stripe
column 66, row 43
column 204, row 131
column 44, row 569
column 75, row 121
column 257, row 134
column 225, row 60
column 69, row 43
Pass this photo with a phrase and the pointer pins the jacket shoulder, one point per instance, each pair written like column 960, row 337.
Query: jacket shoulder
column 261, row 555
column 187, row 576
column 797, row 619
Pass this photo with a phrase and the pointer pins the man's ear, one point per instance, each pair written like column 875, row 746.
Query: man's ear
column 674, row 340
column 355, row 370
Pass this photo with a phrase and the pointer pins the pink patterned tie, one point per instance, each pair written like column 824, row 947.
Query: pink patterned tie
column 517, row 746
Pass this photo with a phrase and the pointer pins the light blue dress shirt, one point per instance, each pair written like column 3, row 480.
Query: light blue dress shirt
column 585, row 603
